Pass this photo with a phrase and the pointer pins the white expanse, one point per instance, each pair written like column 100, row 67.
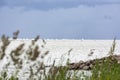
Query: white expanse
column 80, row 49
column 58, row 51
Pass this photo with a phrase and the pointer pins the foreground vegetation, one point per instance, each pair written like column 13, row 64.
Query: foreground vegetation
column 108, row 69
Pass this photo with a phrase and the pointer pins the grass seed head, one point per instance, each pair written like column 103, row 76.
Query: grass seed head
column 15, row 34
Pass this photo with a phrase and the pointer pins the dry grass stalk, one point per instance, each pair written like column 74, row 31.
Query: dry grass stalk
column 18, row 51
column 112, row 49
column 35, row 53
column 47, row 52
column 33, row 50
column 35, row 40
column 15, row 34
column 5, row 43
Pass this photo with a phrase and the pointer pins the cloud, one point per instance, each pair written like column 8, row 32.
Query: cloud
column 2, row 3
column 54, row 4
column 82, row 21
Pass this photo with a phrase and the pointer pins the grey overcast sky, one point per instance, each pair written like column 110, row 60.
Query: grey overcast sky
column 61, row 19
